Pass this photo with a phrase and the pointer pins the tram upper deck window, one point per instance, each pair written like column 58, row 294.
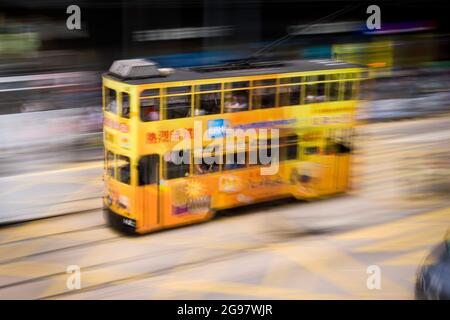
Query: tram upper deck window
column 110, row 100
column 263, row 97
column 150, row 105
column 177, row 90
column 236, row 100
column 208, row 102
column 178, row 106
column 333, row 91
column 150, row 110
column 150, row 93
column 321, row 89
column 314, row 89
column 348, row 90
column 125, row 105
column 289, row 94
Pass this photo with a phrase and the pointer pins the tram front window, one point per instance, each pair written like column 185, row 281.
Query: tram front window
column 110, row 100
column 125, row 105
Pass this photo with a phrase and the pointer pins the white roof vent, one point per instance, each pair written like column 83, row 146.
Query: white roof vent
column 135, row 68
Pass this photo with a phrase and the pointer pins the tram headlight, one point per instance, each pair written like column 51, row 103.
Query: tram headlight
column 109, row 200
column 124, row 202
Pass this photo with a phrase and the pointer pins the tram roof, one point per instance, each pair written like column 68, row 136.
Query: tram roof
column 199, row 73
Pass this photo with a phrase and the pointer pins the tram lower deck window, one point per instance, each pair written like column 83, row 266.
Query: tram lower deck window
column 206, row 164
column 177, row 164
column 235, row 160
column 123, row 169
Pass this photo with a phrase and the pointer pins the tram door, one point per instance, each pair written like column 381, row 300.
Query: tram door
column 339, row 146
column 149, row 178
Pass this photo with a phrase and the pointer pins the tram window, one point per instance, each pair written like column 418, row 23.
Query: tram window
column 315, row 92
column 177, row 164
column 123, row 169
column 337, row 147
column 291, row 139
column 150, row 93
column 311, row 150
column 291, row 152
column 348, row 90
column 289, row 95
column 350, row 75
column 175, row 90
column 321, row 90
column 110, row 164
column 207, row 103
column 288, row 152
column 110, row 100
column 236, row 101
column 209, row 87
column 234, row 161
column 206, row 165
column 334, row 91
column 330, row 147
column 236, row 85
column 150, row 110
column 263, row 98
column 178, row 107
column 264, row 82
column 125, row 105
column 288, row 149
column 343, row 148
column 290, row 80
column 148, row 168
column 310, row 93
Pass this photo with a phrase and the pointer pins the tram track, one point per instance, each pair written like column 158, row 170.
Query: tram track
column 160, row 272
column 181, row 252
column 79, row 246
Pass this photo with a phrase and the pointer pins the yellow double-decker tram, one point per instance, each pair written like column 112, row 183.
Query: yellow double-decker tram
column 166, row 134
